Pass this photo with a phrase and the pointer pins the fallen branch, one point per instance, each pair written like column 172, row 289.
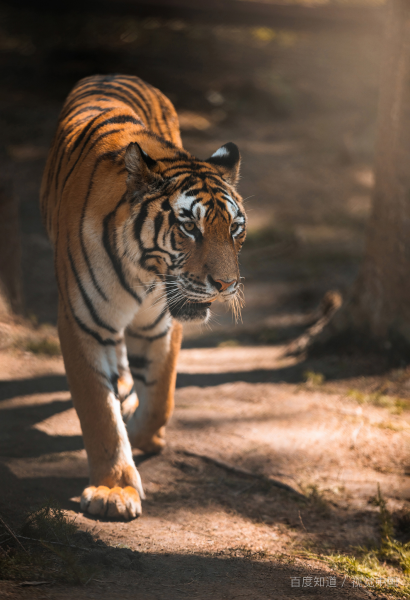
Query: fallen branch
column 330, row 304
column 45, row 542
column 243, row 472
column 29, row 583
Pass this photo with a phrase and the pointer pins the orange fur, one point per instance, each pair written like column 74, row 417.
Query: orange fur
column 144, row 235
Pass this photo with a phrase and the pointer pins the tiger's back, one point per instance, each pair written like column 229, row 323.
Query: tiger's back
column 103, row 114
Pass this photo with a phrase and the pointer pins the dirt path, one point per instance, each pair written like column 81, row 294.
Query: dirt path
column 206, row 531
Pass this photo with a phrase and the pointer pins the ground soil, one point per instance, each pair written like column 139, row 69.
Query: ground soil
column 302, row 110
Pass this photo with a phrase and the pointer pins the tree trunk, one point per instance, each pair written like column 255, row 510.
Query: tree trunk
column 10, row 251
column 379, row 304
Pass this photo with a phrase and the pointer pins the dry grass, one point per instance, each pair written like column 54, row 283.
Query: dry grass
column 50, row 547
column 44, row 549
column 380, row 567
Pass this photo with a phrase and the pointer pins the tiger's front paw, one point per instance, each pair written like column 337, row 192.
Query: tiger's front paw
column 114, row 503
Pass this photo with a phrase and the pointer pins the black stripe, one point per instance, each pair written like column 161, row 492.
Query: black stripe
column 164, row 111
column 132, row 391
column 91, row 308
column 147, row 338
column 139, row 222
column 117, row 94
column 84, row 133
column 180, row 155
column 158, row 221
column 141, row 378
column 156, row 322
column 82, row 243
column 67, row 134
column 138, row 362
column 81, row 155
column 110, row 121
column 113, row 257
column 61, row 136
column 83, row 110
column 140, row 99
column 126, row 97
column 114, row 382
column 83, row 326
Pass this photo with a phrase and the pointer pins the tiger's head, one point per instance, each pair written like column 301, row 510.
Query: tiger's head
column 189, row 223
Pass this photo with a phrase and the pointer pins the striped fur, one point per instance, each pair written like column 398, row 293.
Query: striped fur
column 145, row 236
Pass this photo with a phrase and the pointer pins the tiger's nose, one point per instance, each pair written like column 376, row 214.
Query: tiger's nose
column 222, row 285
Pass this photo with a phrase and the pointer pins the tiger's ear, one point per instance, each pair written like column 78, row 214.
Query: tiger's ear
column 142, row 176
column 228, row 161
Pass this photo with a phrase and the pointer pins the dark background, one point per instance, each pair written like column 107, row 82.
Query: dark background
column 300, row 101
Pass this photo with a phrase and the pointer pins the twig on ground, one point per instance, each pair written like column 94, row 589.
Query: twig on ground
column 242, row 490
column 29, row 583
column 13, row 535
column 243, row 472
column 48, row 542
column 301, row 522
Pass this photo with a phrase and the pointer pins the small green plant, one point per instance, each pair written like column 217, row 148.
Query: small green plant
column 392, row 426
column 316, row 499
column 391, row 550
column 268, row 336
column 313, row 379
column 379, row 564
column 229, row 344
column 47, row 346
column 394, row 404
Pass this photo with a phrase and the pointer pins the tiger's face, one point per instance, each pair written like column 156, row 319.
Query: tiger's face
column 189, row 225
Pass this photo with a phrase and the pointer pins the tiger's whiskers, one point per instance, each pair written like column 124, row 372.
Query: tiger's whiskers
column 237, row 303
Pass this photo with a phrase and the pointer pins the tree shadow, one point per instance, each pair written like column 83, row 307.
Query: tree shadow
column 231, row 573
column 20, row 439
column 206, row 487
column 188, row 487
column 44, row 384
column 333, row 366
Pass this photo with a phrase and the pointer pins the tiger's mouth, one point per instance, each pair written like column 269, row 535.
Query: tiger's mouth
column 185, row 310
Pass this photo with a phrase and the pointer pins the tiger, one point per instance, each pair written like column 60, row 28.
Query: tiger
column 145, row 237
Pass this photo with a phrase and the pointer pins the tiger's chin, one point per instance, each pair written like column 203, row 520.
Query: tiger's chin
column 190, row 311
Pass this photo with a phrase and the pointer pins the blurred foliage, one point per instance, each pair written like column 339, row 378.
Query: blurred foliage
column 47, row 346
column 394, row 404
column 62, row 48
column 313, row 379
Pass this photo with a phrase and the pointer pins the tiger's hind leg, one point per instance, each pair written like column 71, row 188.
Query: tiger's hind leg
column 152, row 360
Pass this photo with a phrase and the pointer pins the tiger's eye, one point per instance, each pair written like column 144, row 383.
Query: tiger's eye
column 189, row 226
column 234, row 227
